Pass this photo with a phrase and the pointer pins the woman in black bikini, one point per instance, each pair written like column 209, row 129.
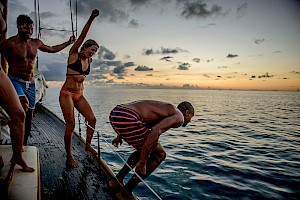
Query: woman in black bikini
column 71, row 93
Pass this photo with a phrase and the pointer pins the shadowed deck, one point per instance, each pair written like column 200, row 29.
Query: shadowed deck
column 88, row 181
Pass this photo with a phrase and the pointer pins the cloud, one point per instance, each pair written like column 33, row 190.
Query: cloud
column 110, row 81
column 106, row 54
column 129, row 64
column 184, row 66
column 259, row 41
column 47, row 14
column 53, row 66
column 197, row 60
column 133, row 24
column 143, row 68
column 201, row 10
column 99, row 76
column 111, row 11
column 139, row 2
column 126, row 57
column 148, row 51
column 231, row 55
column 294, row 72
column 266, row 75
column 210, row 60
column 110, row 63
column 166, row 58
column 276, row 52
column 163, row 50
column 241, row 10
column 119, row 70
column 56, row 71
column 208, row 25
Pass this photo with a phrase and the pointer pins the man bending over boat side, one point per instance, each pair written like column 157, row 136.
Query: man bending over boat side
column 140, row 124
column 10, row 102
column 20, row 52
column 71, row 93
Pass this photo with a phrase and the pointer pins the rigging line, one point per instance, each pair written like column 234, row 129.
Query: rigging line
column 35, row 16
column 158, row 197
column 53, row 29
column 39, row 19
column 76, row 18
column 71, row 17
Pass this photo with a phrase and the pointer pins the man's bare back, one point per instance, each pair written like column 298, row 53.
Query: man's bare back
column 153, row 111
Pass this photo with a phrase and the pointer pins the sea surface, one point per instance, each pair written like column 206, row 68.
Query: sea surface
column 239, row 145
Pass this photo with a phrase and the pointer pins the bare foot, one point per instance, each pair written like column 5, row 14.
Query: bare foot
column 72, row 163
column 22, row 163
column 113, row 185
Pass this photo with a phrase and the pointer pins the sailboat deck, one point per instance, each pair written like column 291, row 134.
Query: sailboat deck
column 58, row 181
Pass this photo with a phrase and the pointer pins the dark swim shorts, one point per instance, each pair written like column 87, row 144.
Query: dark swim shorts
column 25, row 88
column 129, row 125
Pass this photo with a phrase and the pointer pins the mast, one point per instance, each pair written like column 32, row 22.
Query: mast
column 4, row 35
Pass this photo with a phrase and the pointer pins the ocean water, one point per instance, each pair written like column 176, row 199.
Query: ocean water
column 239, row 145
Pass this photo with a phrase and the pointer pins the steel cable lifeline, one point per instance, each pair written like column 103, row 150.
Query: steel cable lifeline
column 38, row 20
column 98, row 132
column 71, row 17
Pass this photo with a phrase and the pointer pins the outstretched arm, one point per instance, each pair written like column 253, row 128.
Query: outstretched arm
column 172, row 121
column 79, row 41
column 53, row 49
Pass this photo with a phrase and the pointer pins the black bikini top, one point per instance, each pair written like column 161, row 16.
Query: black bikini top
column 77, row 66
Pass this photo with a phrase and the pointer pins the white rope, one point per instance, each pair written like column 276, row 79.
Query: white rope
column 98, row 132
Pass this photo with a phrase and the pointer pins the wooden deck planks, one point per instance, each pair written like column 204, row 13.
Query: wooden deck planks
column 58, row 181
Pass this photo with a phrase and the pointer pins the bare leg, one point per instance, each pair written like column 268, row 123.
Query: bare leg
column 85, row 109
column 10, row 102
column 1, row 163
column 28, row 123
column 157, row 155
column 132, row 160
column 67, row 107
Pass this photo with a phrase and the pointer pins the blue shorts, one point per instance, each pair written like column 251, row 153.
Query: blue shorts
column 25, row 88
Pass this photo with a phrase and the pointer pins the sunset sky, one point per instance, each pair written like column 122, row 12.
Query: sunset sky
column 229, row 44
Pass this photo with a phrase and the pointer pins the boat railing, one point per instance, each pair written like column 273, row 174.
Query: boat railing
column 98, row 139
column 99, row 134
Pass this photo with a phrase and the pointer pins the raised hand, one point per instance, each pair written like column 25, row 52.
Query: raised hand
column 95, row 13
column 117, row 141
column 72, row 39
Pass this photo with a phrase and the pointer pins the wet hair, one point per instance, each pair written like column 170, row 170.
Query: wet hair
column 183, row 106
column 88, row 44
column 24, row 19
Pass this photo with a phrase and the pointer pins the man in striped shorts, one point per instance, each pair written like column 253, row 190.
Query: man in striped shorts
column 140, row 124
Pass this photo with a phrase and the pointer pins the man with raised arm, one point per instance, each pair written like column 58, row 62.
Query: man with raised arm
column 20, row 52
column 140, row 124
column 10, row 102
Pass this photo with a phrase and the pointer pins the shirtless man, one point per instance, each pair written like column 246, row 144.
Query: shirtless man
column 10, row 102
column 20, row 51
column 140, row 124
